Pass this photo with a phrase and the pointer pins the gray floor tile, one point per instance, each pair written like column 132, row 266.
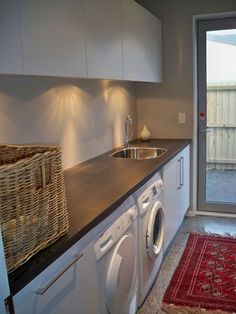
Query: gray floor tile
column 200, row 224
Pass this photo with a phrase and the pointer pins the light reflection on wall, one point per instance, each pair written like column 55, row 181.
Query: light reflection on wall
column 85, row 117
column 64, row 115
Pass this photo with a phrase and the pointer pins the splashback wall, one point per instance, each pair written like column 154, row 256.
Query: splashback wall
column 86, row 117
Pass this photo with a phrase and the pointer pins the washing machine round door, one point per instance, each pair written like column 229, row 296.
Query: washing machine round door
column 155, row 230
column 121, row 275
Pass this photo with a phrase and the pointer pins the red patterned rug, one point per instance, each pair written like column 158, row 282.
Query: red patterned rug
column 205, row 279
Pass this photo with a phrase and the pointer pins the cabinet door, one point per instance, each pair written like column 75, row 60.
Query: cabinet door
column 10, row 52
column 176, row 193
column 172, row 218
column 53, row 37
column 103, row 37
column 185, row 180
column 142, row 50
column 4, row 288
column 67, row 286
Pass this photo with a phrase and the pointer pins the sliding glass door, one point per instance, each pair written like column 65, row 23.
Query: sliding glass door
column 217, row 115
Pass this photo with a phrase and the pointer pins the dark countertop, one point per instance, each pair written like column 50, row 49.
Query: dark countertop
column 97, row 186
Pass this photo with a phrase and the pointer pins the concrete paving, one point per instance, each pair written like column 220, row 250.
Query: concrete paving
column 221, row 186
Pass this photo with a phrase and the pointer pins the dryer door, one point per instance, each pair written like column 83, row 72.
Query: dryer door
column 121, row 276
column 155, row 230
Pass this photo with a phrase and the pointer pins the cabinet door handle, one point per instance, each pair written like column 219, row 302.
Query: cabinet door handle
column 182, row 171
column 180, row 179
column 41, row 290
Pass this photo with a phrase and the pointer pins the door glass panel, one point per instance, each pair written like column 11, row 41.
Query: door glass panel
column 121, row 274
column 157, row 229
column 220, row 128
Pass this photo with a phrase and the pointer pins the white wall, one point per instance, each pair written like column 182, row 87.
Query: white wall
column 85, row 116
column 159, row 104
column 221, row 63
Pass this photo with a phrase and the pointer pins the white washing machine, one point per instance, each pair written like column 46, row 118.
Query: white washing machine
column 116, row 253
column 150, row 233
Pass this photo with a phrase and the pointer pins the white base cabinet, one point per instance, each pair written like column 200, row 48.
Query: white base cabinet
column 185, row 182
column 176, row 193
column 66, row 286
column 4, row 288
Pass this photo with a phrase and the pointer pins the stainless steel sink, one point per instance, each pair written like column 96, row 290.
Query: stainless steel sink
column 139, row 152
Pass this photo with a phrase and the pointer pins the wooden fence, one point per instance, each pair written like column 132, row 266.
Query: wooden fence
column 221, row 119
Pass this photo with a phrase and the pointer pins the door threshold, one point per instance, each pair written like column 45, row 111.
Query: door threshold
column 214, row 214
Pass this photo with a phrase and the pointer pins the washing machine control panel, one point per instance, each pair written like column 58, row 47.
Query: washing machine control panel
column 149, row 197
column 111, row 235
column 132, row 213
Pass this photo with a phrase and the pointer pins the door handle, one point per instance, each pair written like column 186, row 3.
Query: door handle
column 206, row 130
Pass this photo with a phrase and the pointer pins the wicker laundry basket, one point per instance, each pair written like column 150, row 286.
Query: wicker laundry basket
column 33, row 211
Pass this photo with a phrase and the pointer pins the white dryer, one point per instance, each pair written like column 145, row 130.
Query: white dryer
column 150, row 233
column 116, row 253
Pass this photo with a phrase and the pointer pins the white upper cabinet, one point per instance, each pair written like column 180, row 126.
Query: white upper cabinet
column 103, row 39
column 142, row 48
column 53, row 37
column 10, row 41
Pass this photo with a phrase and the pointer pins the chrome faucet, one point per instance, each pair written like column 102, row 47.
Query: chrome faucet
column 128, row 122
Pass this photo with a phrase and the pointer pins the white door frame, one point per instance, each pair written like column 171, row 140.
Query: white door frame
column 194, row 211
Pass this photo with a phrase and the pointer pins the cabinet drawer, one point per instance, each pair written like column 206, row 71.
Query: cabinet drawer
column 63, row 286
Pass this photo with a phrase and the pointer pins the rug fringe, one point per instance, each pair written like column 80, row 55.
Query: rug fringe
column 225, row 235
column 174, row 309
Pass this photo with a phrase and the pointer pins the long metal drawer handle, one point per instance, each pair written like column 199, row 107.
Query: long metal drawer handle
column 182, row 171
column 42, row 290
column 179, row 186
